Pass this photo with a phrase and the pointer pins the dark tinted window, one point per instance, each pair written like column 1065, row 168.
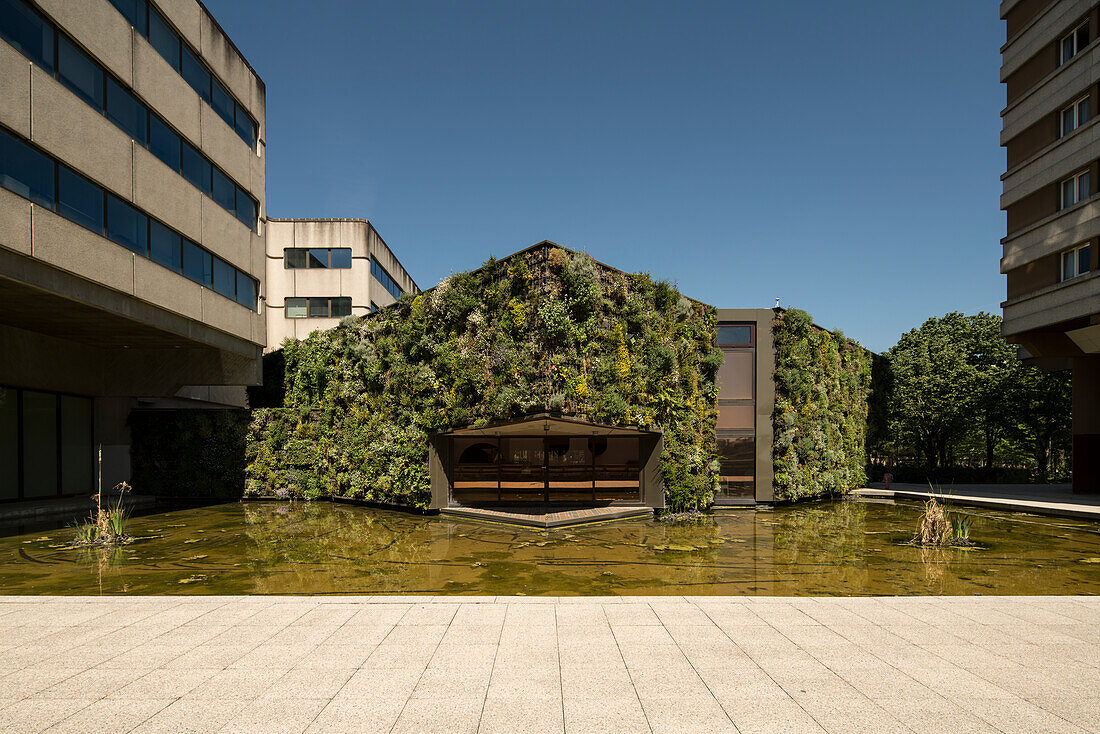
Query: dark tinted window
column 197, row 263
column 133, row 11
column 246, row 208
column 246, row 290
column 318, row 258
column 741, row 334
column 164, row 39
column 25, row 171
column 318, row 308
column 194, row 73
column 225, row 192
column 225, row 278
column 127, row 112
column 80, row 200
column 1082, row 37
column 164, row 143
column 164, row 246
column 195, row 168
column 222, row 102
column 341, row 307
column 384, row 278
column 294, row 258
column 79, row 73
column 27, row 31
column 244, row 125
column 127, row 226
column 1084, row 259
column 340, row 257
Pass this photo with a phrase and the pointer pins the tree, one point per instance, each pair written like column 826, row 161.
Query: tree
column 1041, row 405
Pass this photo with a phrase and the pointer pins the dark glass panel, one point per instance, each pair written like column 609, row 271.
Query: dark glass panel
column 475, row 469
column 318, row 258
column 1082, row 37
column 39, row 444
column 737, row 417
column 127, row 226
column 246, row 208
column 569, row 460
column 617, row 467
column 76, row 445
column 1084, row 191
column 341, row 307
column 522, row 469
column 28, row 32
column 221, row 102
column 735, row 335
column 194, row 73
column 164, row 246
column 195, row 168
column 340, row 257
column 197, row 264
column 225, row 191
column 294, row 258
column 9, row 443
column 80, row 200
column 736, row 466
column 1084, row 263
column 243, row 125
column 318, row 308
column 79, row 73
column 1083, row 112
column 25, row 171
column 296, row 308
column 127, row 112
column 225, row 278
column 164, row 39
column 246, row 290
column 164, row 143
column 133, row 11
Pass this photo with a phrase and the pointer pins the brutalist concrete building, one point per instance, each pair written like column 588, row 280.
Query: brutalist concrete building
column 132, row 220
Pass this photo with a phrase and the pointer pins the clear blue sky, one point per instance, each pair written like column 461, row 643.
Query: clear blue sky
column 842, row 156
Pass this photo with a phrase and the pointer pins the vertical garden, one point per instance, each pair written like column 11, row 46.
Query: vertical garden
column 544, row 330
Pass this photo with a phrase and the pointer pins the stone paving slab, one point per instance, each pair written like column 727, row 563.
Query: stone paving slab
column 577, row 664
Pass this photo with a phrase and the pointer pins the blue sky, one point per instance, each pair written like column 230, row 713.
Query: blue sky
column 841, row 156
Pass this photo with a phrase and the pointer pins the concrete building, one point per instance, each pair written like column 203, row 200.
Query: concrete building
column 1050, row 62
column 321, row 270
column 132, row 215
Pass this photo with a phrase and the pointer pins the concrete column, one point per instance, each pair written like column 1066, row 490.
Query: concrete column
column 1086, row 425
column 112, row 436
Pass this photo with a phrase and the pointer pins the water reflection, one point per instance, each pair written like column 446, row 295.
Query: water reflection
column 821, row 548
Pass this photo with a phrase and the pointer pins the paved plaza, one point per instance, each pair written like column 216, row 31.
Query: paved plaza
column 453, row 664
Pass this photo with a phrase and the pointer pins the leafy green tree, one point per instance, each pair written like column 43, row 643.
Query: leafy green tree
column 1041, row 405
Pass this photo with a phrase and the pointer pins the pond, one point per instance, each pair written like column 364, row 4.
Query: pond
column 847, row 547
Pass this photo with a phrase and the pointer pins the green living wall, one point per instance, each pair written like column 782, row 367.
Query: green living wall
column 822, row 383
column 543, row 330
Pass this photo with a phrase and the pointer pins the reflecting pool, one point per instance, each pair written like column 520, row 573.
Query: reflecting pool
column 850, row 548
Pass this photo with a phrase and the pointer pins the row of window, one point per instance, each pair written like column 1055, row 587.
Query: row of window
column 318, row 308
column 1077, row 261
column 151, row 24
column 1073, row 43
column 1075, row 189
column 295, row 258
column 32, row 174
column 384, row 278
column 52, row 50
column 1074, row 116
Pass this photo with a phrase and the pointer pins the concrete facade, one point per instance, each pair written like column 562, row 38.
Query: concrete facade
column 1051, row 133
column 356, row 282
column 81, row 314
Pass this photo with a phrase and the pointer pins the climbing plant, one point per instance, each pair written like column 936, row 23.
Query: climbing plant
column 545, row 329
column 822, row 383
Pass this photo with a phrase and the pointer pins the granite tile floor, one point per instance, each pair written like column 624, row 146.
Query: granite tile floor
column 517, row 664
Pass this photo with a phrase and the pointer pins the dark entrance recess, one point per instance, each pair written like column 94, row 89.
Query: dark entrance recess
column 546, row 469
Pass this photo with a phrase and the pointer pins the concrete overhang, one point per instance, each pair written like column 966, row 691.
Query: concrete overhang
column 1087, row 339
column 547, row 424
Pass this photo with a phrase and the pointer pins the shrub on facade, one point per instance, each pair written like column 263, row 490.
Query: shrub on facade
column 188, row 454
column 543, row 330
column 822, row 382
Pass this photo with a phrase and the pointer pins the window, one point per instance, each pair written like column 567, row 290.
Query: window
column 1075, row 189
column 225, row 192
column 316, row 257
column 127, row 113
column 195, row 168
column 25, row 171
column 246, row 209
column 194, row 73
column 164, row 39
column 80, row 200
column 1074, row 116
column 197, row 264
column 246, row 290
column 373, row 307
column 735, row 334
column 225, row 279
column 244, row 127
column 79, row 73
column 164, row 246
column 384, row 278
column 221, row 102
column 1074, row 43
column 27, row 31
column 127, row 226
column 1077, row 261
column 135, row 12
column 164, row 143
column 318, row 307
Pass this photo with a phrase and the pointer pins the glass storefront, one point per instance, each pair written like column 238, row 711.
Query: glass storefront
column 45, row 444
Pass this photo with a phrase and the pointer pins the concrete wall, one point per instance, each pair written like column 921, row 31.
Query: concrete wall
column 356, row 282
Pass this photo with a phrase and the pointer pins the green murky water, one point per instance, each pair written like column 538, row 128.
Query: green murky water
column 823, row 548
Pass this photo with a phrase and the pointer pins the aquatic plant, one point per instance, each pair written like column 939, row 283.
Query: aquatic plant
column 933, row 527
column 107, row 524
